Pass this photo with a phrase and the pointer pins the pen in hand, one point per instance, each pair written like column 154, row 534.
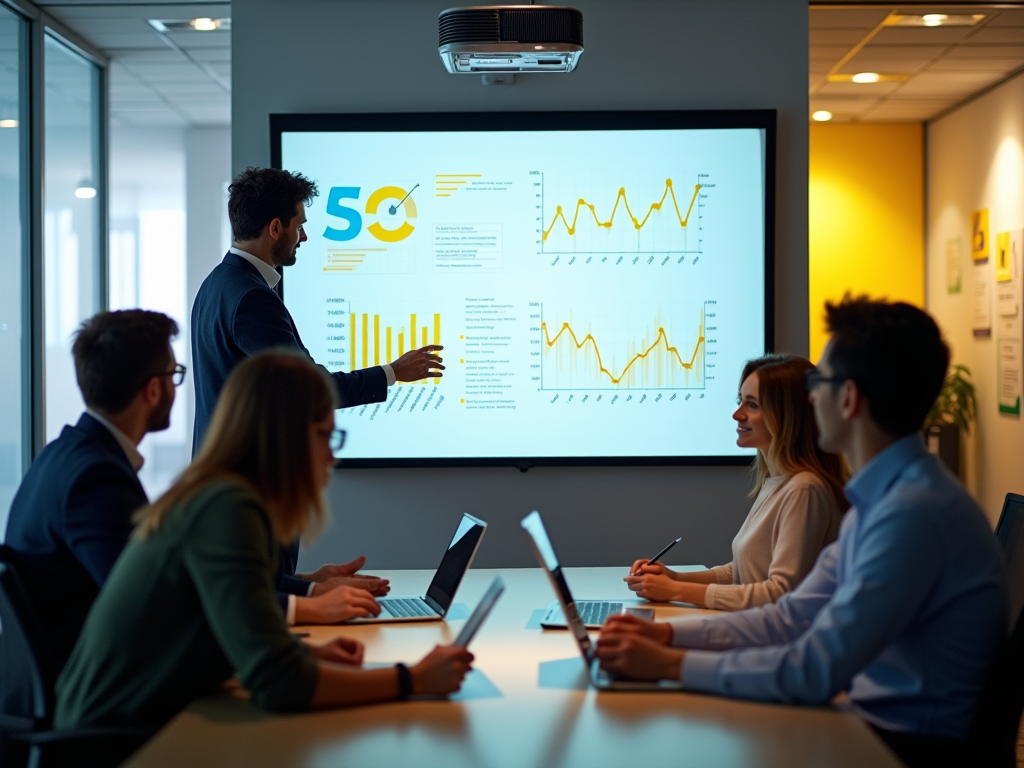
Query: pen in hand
column 661, row 554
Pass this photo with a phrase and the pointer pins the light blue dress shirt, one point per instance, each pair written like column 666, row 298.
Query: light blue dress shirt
column 905, row 611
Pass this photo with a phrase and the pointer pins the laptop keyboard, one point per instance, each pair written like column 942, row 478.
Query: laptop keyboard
column 596, row 611
column 398, row 606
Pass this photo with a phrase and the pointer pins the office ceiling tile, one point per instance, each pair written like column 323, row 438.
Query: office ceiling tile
column 999, row 36
column 922, row 35
column 1008, row 18
column 997, row 66
column 844, row 37
column 860, row 18
column 862, row 90
column 986, row 52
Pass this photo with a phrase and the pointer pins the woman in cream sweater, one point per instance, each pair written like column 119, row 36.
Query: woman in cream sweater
column 798, row 499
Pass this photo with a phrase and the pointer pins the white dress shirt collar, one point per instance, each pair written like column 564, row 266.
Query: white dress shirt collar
column 130, row 451
column 268, row 272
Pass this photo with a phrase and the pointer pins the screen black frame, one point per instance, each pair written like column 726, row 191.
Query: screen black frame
column 394, row 122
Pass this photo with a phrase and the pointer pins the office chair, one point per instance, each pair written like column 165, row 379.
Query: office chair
column 27, row 736
column 997, row 719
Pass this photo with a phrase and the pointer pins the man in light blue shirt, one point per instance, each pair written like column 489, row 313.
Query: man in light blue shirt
column 906, row 610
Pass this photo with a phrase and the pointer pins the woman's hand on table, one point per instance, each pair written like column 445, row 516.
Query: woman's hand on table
column 441, row 671
column 340, row 650
column 652, row 582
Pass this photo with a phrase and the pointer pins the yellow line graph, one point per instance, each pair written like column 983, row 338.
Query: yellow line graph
column 662, row 338
column 637, row 223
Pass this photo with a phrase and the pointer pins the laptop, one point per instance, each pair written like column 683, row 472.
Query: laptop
column 599, row 678
column 480, row 613
column 441, row 593
column 1010, row 532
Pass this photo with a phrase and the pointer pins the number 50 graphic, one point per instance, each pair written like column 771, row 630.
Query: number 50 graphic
column 335, row 207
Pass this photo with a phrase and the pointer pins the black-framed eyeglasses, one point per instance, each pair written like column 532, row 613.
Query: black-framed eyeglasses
column 337, row 439
column 813, row 378
column 177, row 374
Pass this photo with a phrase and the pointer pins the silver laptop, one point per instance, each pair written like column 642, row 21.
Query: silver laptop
column 599, row 678
column 441, row 593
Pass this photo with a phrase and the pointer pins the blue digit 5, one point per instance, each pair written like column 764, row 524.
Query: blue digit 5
column 351, row 215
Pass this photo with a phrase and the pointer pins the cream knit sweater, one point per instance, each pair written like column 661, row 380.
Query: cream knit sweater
column 792, row 520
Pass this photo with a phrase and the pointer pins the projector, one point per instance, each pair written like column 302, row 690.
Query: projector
column 510, row 38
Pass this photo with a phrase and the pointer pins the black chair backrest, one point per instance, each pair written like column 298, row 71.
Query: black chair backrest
column 26, row 687
column 997, row 717
column 1010, row 532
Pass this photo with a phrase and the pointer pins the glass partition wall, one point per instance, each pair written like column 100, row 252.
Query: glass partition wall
column 14, row 420
column 71, row 224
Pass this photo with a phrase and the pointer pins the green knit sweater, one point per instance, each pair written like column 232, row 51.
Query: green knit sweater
column 180, row 613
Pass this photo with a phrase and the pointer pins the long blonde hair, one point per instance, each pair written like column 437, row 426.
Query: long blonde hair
column 259, row 433
column 789, row 417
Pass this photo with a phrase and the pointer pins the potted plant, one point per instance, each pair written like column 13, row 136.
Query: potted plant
column 955, row 410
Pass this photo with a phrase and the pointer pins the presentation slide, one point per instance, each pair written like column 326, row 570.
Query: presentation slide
column 596, row 291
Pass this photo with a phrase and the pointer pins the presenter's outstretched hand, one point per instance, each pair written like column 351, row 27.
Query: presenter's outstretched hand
column 345, row 574
column 416, row 364
column 340, row 650
column 339, row 604
column 441, row 671
column 632, row 655
column 652, row 582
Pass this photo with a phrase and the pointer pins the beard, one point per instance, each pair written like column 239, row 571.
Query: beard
column 284, row 255
column 160, row 418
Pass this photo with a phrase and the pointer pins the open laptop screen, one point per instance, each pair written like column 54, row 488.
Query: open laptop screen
column 1010, row 533
column 456, row 560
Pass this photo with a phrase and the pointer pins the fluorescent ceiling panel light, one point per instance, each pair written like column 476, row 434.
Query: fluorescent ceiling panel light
column 866, row 78
column 934, row 20
column 821, row 116
column 202, row 24
column 8, row 123
column 84, row 192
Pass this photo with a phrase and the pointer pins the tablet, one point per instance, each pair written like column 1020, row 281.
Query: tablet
column 483, row 608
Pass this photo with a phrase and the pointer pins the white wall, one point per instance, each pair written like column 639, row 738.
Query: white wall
column 360, row 56
column 975, row 159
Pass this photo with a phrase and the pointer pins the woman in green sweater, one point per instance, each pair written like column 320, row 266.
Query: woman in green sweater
column 191, row 600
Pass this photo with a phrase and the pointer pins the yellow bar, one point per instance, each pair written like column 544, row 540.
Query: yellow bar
column 437, row 336
column 352, row 343
column 389, row 344
column 412, row 332
column 444, row 195
column 376, row 339
column 401, row 344
column 366, row 362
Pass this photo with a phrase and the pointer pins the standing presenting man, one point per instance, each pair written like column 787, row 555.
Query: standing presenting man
column 237, row 313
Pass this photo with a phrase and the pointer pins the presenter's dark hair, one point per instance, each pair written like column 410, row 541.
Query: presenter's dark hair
column 116, row 353
column 257, row 196
column 894, row 353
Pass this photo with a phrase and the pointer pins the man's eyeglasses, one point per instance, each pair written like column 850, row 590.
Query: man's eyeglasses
column 337, row 440
column 813, row 378
column 177, row 374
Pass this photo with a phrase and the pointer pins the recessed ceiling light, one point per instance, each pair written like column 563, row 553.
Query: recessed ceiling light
column 866, row 77
column 8, row 123
column 934, row 20
column 204, row 24
column 821, row 116
column 869, row 77
column 85, row 193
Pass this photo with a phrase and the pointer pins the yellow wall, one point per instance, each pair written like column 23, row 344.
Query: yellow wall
column 866, row 215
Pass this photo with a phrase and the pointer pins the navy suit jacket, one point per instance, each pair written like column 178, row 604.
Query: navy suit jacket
column 68, row 524
column 236, row 314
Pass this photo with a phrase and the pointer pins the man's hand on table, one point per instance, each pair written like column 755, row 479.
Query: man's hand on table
column 340, row 650
column 328, row 577
column 339, row 604
column 638, row 649
column 440, row 672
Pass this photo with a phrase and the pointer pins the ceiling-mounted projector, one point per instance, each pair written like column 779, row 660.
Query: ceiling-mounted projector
column 510, row 38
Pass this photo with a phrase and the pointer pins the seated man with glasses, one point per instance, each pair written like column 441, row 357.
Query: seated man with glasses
column 71, row 517
column 907, row 609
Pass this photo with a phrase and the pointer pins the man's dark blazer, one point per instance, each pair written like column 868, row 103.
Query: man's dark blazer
column 236, row 314
column 68, row 524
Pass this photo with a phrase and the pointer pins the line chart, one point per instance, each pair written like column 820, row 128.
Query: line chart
column 650, row 365
column 670, row 224
column 638, row 224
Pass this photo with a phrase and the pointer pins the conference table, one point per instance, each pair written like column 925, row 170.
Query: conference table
column 527, row 703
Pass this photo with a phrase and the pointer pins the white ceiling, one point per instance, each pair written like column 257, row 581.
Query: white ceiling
column 185, row 79
column 943, row 65
column 152, row 82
